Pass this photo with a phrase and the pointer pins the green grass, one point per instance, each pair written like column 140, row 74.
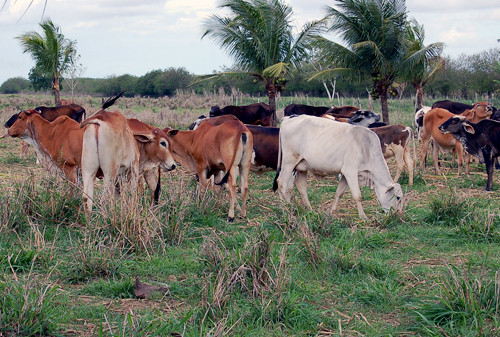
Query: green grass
column 284, row 271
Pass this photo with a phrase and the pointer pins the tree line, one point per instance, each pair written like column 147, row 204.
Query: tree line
column 462, row 78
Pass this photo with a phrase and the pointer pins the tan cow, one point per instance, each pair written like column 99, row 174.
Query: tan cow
column 213, row 149
column 437, row 116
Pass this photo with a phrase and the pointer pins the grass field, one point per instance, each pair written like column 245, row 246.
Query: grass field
column 284, row 271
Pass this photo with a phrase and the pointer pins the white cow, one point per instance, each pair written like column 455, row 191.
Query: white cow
column 419, row 120
column 326, row 147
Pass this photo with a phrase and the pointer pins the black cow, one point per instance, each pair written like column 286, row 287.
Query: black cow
column 481, row 139
column 302, row 109
column 73, row 111
column 453, row 107
column 254, row 114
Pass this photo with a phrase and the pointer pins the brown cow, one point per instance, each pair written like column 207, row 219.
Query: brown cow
column 437, row 116
column 213, row 149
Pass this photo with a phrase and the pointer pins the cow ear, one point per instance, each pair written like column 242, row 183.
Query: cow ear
column 172, row 132
column 143, row 138
column 468, row 128
column 391, row 187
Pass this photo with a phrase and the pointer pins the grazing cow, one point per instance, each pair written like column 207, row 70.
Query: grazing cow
column 302, row 109
column 453, row 107
column 254, row 114
column 437, row 116
column 365, row 118
column 213, row 149
column 265, row 143
column 326, row 147
column 479, row 139
column 395, row 142
column 74, row 111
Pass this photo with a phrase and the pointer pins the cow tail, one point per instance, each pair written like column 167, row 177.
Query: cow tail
column 226, row 176
column 278, row 168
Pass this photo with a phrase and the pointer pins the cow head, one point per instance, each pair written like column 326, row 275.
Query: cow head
column 156, row 148
column 11, row 120
column 392, row 198
column 20, row 126
column 455, row 125
column 479, row 111
column 364, row 118
column 215, row 111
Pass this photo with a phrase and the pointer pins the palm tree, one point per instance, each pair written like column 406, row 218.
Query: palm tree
column 52, row 52
column 373, row 32
column 422, row 63
column 259, row 35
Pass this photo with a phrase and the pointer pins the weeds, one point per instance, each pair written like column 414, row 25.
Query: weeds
column 466, row 304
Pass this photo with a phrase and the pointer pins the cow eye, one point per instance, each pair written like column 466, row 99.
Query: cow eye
column 398, row 198
column 163, row 143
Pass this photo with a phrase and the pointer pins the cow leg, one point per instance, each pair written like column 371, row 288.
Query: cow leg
column 398, row 156
column 301, row 184
column 341, row 188
column 232, row 195
column 488, row 162
column 435, row 158
column 460, row 154
column 353, row 182
column 423, row 150
column 90, row 166
column 409, row 164
column 152, row 179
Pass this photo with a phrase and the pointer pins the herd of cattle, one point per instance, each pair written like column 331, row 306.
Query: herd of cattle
column 235, row 140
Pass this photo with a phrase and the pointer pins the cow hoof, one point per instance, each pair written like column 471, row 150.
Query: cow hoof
column 230, row 219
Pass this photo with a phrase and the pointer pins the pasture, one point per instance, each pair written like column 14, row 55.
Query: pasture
column 284, row 271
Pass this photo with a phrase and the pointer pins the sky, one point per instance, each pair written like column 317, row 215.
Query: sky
column 116, row 37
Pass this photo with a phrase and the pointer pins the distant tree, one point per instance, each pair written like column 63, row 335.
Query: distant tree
column 40, row 80
column 14, row 85
column 423, row 63
column 52, row 52
column 260, row 36
column 73, row 74
column 374, row 37
column 483, row 68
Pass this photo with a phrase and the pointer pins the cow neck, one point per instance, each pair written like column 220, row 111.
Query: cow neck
column 182, row 149
column 379, row 174
column 37, row 126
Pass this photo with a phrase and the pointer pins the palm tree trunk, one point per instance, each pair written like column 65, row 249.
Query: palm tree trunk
column 420, row 96
column 385, row 107
column 271, row 93
column 55, row 87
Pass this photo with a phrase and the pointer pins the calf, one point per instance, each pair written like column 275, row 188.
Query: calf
column 212, row 149
column 419, row 119
column 480, row 139
column 326, row 147
column 254, row 114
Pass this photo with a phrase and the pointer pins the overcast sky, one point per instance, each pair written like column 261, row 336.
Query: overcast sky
column 116, row 37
